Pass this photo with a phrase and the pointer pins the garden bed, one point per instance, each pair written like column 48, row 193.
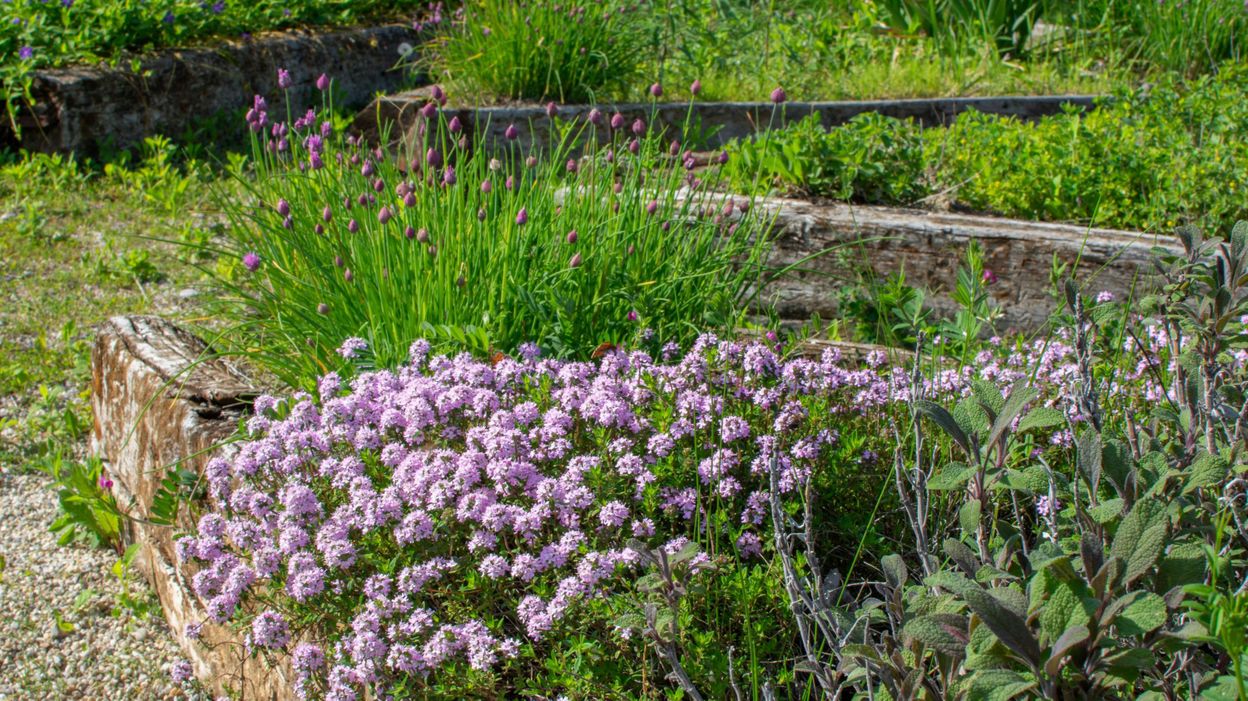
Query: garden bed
column 83, row 109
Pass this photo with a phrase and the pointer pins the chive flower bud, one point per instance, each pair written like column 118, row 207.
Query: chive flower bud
column 572, row 236
column 576, row 261
column 322, row 308
column 695, row 87
column 531, row 161
column 778, row 96
column 522, row 217
column 433, row 158
column 617, row 120
column 353, row 226
column 318, row 229
column 283, row 207
column 422, row 235
column 348, row 275
column 384, row 215
column 634, row 146
column 486, row 186
column 327, row 213
column 322, row 83
column 511, row 133
column 595, row 117
column 639, row 127
column 448, row 176
column 409, row 200
column 572, row 167
column 552, row 110
column 656, row 90
column 652, row 207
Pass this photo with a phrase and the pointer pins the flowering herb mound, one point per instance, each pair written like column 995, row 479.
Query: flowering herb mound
column 454, row 515
column 603, row 237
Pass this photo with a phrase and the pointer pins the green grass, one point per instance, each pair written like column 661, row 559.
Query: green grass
column 72, row 254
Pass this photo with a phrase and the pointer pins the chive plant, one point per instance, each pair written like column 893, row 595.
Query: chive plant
column 609, row 235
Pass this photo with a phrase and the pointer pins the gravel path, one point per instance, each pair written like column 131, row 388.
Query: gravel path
column 104, row 656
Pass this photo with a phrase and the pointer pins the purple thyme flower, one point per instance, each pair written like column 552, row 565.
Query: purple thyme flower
column 351, row 347
column 181, row 671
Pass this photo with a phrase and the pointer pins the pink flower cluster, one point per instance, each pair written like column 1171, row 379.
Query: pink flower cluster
column 524, row 479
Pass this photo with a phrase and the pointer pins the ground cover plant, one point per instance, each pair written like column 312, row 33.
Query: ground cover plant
column 568, row 248
column 1060, row 520
column 1149, row 160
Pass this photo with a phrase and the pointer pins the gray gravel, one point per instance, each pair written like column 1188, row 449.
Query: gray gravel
column 104, row 656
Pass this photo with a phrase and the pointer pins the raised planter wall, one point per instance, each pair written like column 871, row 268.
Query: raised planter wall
column 80, row 109
column 160, row 398
column 929, row 247
column 720, row 122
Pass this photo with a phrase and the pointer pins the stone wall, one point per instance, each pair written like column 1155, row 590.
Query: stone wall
column 79, row 109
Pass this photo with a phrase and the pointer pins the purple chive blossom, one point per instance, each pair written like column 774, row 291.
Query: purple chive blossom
column 322, row 83
column 656, row 90
column 522, row 217
column 283, row 79
column 511, row 133
column 181, row 672
column 251, row 261
column 778, row 96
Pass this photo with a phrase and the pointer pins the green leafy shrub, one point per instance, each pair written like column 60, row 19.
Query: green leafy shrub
column 1148, row 160
column 540, row 50
column 869, row 159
